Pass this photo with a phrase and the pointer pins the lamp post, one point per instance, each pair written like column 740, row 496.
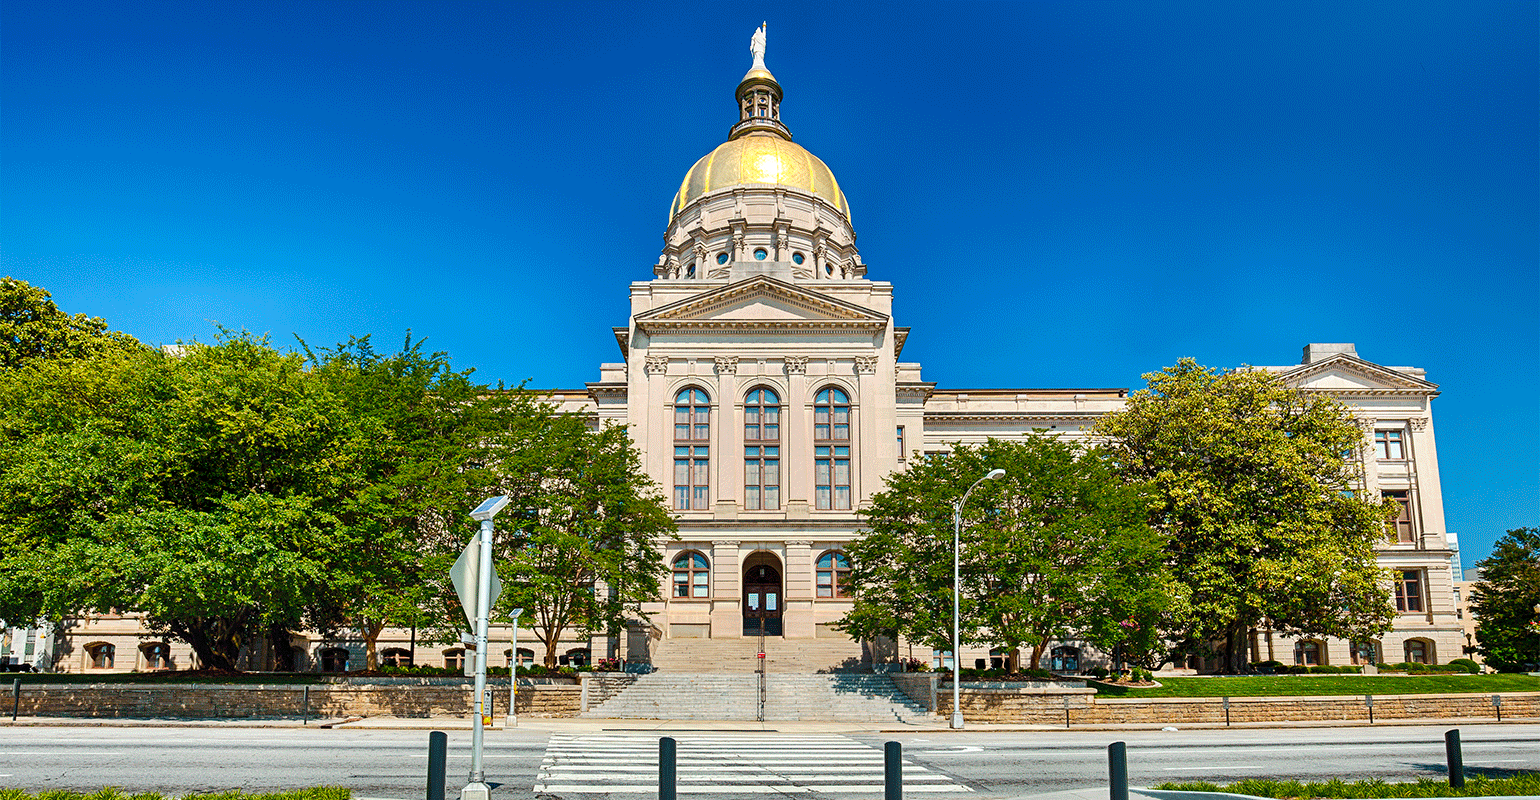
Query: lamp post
column 512, row 720
column 957, row 509
column 478, row 789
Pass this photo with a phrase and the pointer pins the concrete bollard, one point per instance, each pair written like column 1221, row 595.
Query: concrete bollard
column 438, row 763
column 892, row 771
column 1117, row 770
column 668, row 775
column 1455, row 759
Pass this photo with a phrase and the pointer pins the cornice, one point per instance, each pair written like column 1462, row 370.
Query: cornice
column 1403, row 383
column 596, row 389
column 623, row 338
column 900, row 335
column 1013, row 416
column 652, row 326
column 834, row 314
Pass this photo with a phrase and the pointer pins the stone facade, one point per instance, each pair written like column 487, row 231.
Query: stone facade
column 761, row 377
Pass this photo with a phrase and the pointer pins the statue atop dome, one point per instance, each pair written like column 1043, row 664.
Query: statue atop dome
column 757, row 46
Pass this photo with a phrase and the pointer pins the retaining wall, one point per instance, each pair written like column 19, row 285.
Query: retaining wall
column 210, row 701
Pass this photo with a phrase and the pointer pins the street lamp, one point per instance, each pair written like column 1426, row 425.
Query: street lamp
column 957, row 507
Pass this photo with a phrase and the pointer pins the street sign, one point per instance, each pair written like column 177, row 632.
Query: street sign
column 464, row 574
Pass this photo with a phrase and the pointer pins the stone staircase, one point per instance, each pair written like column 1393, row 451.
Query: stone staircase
column 739, row 656
column 787, row 696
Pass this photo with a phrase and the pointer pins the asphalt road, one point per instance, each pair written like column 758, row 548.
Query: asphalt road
column 600, row 762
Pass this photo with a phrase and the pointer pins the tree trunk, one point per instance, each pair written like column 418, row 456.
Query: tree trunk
column 372, row 629
column 1037, row 654
column 550, row 637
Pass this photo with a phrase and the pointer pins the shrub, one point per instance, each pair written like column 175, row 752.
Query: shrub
column 1471, row 667
column 1267, row 667
column 1140, row 675
column 1321, row 670
column 1097, row 672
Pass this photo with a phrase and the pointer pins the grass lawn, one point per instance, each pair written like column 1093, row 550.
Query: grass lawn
column 315, row 793
column 1293, row 685
column 157, row 677
column 1475, row 786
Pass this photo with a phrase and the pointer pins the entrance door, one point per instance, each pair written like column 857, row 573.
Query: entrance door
column 762, row 601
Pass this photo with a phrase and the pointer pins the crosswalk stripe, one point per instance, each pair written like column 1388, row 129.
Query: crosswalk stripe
column 824, row 764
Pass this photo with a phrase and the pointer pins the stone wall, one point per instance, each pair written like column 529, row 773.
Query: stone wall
column 1024, row 707
column 220, row 701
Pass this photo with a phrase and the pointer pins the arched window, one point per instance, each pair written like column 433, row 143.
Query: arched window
column 1366, row 652
column 692, row 435
column 1419, row 651
column 577, row 657
column 1307, row 654
column 1064, row 659
column 692, row 577
column 396, row 657
column 831, row 449
column 454, row 658
column 833, row 575
column 334, row 659
column 100, row 656
column 762, row 450
column 157, row 655
column 526, row 656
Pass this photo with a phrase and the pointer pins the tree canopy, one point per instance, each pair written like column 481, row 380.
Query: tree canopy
column 233, row 492
column 33, row 328
column 1259, row 498
column 1506, row 602
column 1058, row 548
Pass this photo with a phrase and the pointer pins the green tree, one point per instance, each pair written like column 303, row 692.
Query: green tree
column 580, row 540
column 1058, row 548
column 197, row 489
column 415, row 446
column 1257, row 486
column 33, row 328
column 1506, row 602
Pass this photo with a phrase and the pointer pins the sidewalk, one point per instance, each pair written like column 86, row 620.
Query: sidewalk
column 594, row 725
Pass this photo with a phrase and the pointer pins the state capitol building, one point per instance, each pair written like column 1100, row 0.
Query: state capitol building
column 761, row 375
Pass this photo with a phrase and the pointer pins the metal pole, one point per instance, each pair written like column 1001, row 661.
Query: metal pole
column 1456, row 762
column 892, row 771
column 512, row 720
column 483, row 596
column 16, row 699
column 438, row 761
column 1369, row 701
column 1227, row 712
column 667, row 775
column 306, row 701
column 1117, row 770
column 1497, row 701
column 957, row 717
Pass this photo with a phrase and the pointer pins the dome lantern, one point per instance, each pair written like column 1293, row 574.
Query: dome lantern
column 759, row 96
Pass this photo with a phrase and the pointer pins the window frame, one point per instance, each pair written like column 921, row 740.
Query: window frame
column 1357, row 655
column 837, row 570
column 327, row 655
column 831, row 453
column 1423, row 645
column 156, row 655
column 454, row 658
column 692, row 453
column 1384, row 438
column 102, row 655
column 1401, row 528
column 1408, row 591
column 697, row 577
column 762, row 449
column 1311, row 646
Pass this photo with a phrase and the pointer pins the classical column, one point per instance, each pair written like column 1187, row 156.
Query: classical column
column 726, row 590
column 1370, row 461
column 727, row 460
column 657, row 426
column 873, row 442
column 797, row 430
column 797, row 621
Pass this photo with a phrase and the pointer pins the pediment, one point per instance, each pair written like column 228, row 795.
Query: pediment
column 1348, row 374
column 761, row 302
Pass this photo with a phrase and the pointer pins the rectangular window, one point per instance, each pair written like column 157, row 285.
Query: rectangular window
column 1409, row 590
column 1388, row 446
column 1400, row 528
column 831, row 477
column 691, row 468
column 762, row 478
column 902, row 454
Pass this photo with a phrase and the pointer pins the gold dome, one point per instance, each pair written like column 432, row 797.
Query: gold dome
column 761, row 158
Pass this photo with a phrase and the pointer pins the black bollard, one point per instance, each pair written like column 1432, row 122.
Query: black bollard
column 438, row 763
column 306, row 701
column 1456, row 762
column 16, row 699
column 892, row 771
column 1117, row 770
column 668, row 775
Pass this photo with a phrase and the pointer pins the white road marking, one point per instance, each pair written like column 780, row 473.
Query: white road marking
column 1212, row 769
column 825, row 764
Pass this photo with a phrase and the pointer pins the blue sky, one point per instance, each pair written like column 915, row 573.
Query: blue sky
column 1062, row 194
